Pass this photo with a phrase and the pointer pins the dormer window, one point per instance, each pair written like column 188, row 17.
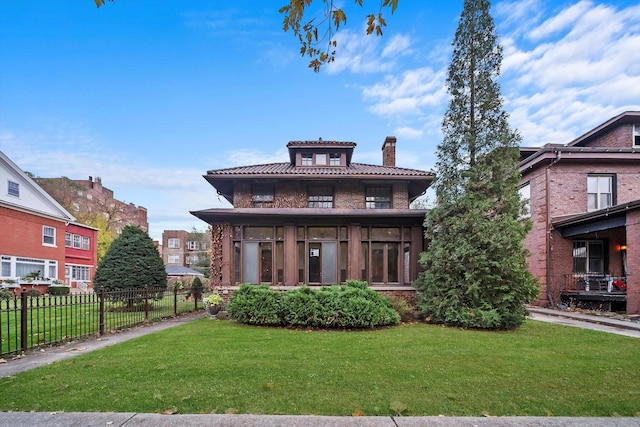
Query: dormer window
column 636, row 135
column 321, row 159
column 334, row 159
column 307, row 159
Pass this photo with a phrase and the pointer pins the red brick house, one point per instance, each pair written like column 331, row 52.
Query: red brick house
column 585, row 207
column 34, row 229
column 318, row 219
column 81, row 253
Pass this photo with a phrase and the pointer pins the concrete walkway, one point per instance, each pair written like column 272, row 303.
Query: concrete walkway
column 65, row 419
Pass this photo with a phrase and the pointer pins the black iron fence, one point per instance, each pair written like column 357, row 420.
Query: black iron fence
column 28, row 322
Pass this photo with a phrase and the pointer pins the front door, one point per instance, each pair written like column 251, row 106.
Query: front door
column 322, row 261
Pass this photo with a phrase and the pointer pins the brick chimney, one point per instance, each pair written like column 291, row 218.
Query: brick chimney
column 389, row 152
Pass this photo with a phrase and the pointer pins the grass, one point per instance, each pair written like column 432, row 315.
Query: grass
column 415, row 369
column 56, row 319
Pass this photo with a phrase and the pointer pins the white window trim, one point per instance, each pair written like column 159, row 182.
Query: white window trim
column 636, row 135
column 15, row 190
column 44, row 229
column 525, row 196
column 173, row 243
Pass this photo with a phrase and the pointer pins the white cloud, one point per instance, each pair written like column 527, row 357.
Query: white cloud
column 564, row 71
column 407, row 94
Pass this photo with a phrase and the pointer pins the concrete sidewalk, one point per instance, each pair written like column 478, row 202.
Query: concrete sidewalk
column 586, row 321
column 65, row 419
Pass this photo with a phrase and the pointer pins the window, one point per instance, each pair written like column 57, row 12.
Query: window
column 6, row 266
column 53, row 269
column 67, row 239
column 262, row 196
column 85, row 243
column 525, row 196
column 307, row 159
column 334, row 159
column 173, row 243
column 378, row 198
column 636, row 135
column 192, row 259
column 26, row 266
column 80, row 273
column 76, row 241
column 48, row 235
column 321, row 159
column 588, row 256
column 193, row 246
column 173, row 259
column 599, row 192
column 13, row 189
column 320, row 197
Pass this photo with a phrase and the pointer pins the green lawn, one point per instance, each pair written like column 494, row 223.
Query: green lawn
column 56, row 319
column 417, row 369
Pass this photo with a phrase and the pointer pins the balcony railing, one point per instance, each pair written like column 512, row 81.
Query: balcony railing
column 594, row 282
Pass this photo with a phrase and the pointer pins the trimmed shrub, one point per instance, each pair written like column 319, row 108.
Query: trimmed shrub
column 58, row 290
column 256, row 305
column 6, row 295
column 351, row 306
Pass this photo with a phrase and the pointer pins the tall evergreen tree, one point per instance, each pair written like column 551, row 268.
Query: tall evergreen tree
column 132, row 261
column 475, row 269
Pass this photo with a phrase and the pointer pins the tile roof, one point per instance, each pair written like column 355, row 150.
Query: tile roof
column 289, row 169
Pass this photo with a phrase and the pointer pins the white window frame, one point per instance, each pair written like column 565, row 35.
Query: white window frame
column 596, row 203
column 525, row 196
column 173, row 243
column 68, row 239
column 193, row 245
column 86, row 243
column 173, row 259
column 77, row 243
column 636, row 135
column 13, row 188
column 48, row 235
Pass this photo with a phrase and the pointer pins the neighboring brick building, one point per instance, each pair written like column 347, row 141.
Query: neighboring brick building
column 83, row 197
column 34, row 229
column 183, row 248
column 318, row 219
column 585, row 207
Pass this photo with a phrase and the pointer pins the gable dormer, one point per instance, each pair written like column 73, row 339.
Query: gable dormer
column 320, row 154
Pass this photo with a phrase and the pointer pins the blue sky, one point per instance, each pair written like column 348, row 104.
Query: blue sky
column 150, row 94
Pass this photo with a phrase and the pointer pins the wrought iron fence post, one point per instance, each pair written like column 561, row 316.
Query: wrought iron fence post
column 101, row 310
column 175, row 301
column 146, row 304
column 23, row 321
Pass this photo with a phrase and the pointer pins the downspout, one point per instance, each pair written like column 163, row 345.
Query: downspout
column 548, row 226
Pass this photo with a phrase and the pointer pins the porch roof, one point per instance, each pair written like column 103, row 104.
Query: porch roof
column 278, row 216
column 603, row 219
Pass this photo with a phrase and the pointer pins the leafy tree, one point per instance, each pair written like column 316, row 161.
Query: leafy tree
column 313, row 33
column 132, row 262
column 475, row 270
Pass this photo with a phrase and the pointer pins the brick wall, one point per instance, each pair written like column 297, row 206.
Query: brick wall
column 22, row 236
column 618, row 137
column 633, row 262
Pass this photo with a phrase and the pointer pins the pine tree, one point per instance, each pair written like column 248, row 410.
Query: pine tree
column 475, row 270
column 132, row 261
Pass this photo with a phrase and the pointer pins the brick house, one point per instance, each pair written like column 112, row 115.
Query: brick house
column 34, row 229
column 318, row 219
column 183, row 248
column 584, row 200
column 81, row 253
